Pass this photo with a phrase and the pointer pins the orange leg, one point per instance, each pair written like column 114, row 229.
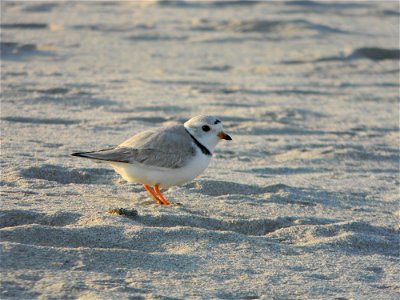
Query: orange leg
column 160, row 195
column 152, row 194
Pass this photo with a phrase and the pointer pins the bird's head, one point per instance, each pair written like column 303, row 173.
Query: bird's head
column 208, row 130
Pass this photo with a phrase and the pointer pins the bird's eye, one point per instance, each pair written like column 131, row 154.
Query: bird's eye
column 217, row 121
column 206, row 128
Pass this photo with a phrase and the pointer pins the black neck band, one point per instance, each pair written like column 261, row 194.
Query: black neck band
column 200, row 145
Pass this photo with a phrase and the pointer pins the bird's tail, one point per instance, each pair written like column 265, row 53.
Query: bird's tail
column 92, row 154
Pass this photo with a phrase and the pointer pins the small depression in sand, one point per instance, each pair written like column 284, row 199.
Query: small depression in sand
column 64, row 175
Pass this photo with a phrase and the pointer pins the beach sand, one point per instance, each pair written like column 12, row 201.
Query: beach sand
column 302, row 204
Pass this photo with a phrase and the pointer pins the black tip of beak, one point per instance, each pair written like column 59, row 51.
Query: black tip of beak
column 224, row 136
column 227, row 137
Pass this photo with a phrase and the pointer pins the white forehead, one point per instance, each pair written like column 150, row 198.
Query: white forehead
column 203, row 119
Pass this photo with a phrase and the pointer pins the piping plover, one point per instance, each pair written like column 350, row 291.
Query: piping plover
column 165, row 156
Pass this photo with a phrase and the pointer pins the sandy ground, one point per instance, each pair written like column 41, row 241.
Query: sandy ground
column 302, row 204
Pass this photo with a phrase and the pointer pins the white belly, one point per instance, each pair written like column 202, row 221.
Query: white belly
column 165, row 177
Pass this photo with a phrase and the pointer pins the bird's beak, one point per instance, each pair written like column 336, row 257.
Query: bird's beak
column 222, row 135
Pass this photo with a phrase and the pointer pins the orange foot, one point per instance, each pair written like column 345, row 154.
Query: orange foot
column 160, row 195
column 156, row 194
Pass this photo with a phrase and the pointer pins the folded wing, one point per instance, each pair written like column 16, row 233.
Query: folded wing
column 170, row 147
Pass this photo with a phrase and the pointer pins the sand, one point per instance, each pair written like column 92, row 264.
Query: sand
column 302, row 204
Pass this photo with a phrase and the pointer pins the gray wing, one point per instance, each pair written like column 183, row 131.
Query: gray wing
column 169, row 147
